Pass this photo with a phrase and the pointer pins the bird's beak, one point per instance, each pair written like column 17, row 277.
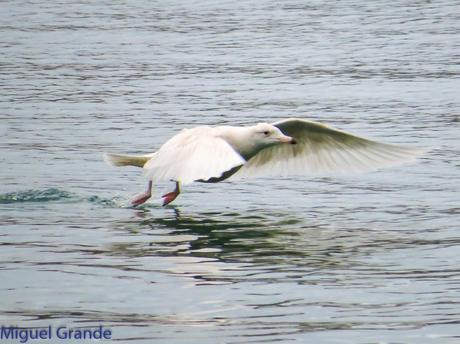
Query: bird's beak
column 287, row 139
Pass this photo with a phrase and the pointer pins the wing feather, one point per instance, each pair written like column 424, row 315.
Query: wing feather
column 323, row 150
column 194, row 154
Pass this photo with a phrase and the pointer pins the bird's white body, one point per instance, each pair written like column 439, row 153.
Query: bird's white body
column 292, row 146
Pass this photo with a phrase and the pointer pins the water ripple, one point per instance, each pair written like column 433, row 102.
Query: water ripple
column 46, row 195
column 55, row 195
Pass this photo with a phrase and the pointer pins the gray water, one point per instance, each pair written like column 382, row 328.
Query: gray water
column 370, row 258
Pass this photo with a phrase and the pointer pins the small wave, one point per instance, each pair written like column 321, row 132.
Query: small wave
column 45, row 195
column 54, row 194
column 106, row 202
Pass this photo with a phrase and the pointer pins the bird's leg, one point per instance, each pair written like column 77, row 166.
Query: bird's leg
column 171, row 196
column 143, row 196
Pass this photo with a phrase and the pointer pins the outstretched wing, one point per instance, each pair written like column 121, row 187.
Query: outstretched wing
column 321, row 149
column 193, row 154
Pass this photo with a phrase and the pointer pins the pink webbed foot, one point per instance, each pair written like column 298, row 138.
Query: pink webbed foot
column 171, row 196
column 143, row 196
column 140, row 198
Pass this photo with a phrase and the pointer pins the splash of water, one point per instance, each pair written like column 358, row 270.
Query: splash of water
column 54, row 194
column 46, row 195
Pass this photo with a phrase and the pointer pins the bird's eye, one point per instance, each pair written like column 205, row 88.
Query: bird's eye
column 266, row 133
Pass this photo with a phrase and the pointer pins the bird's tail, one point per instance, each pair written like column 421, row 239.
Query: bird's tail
column 127, row 160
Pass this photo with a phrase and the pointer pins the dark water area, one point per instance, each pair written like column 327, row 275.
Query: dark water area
column 369, row 258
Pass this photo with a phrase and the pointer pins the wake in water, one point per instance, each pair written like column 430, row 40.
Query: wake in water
column 45, row 195
column 53, row 194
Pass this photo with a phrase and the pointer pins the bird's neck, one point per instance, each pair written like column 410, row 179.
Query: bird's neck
column 240, row 138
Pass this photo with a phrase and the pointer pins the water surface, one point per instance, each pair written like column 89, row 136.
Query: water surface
column 358, row 259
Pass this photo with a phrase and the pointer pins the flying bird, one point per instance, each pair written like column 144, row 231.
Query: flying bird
column 292, row 146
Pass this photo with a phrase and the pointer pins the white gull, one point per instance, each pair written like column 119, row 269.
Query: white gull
column 289, row 147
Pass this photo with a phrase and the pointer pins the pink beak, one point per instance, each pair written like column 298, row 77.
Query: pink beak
column 287, row 139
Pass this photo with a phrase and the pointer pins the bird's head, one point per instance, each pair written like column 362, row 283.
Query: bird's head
column 248, row 141
column 267, row 135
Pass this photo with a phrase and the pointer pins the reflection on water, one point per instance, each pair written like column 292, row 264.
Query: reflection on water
column 262, row 239
column 272, row 242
